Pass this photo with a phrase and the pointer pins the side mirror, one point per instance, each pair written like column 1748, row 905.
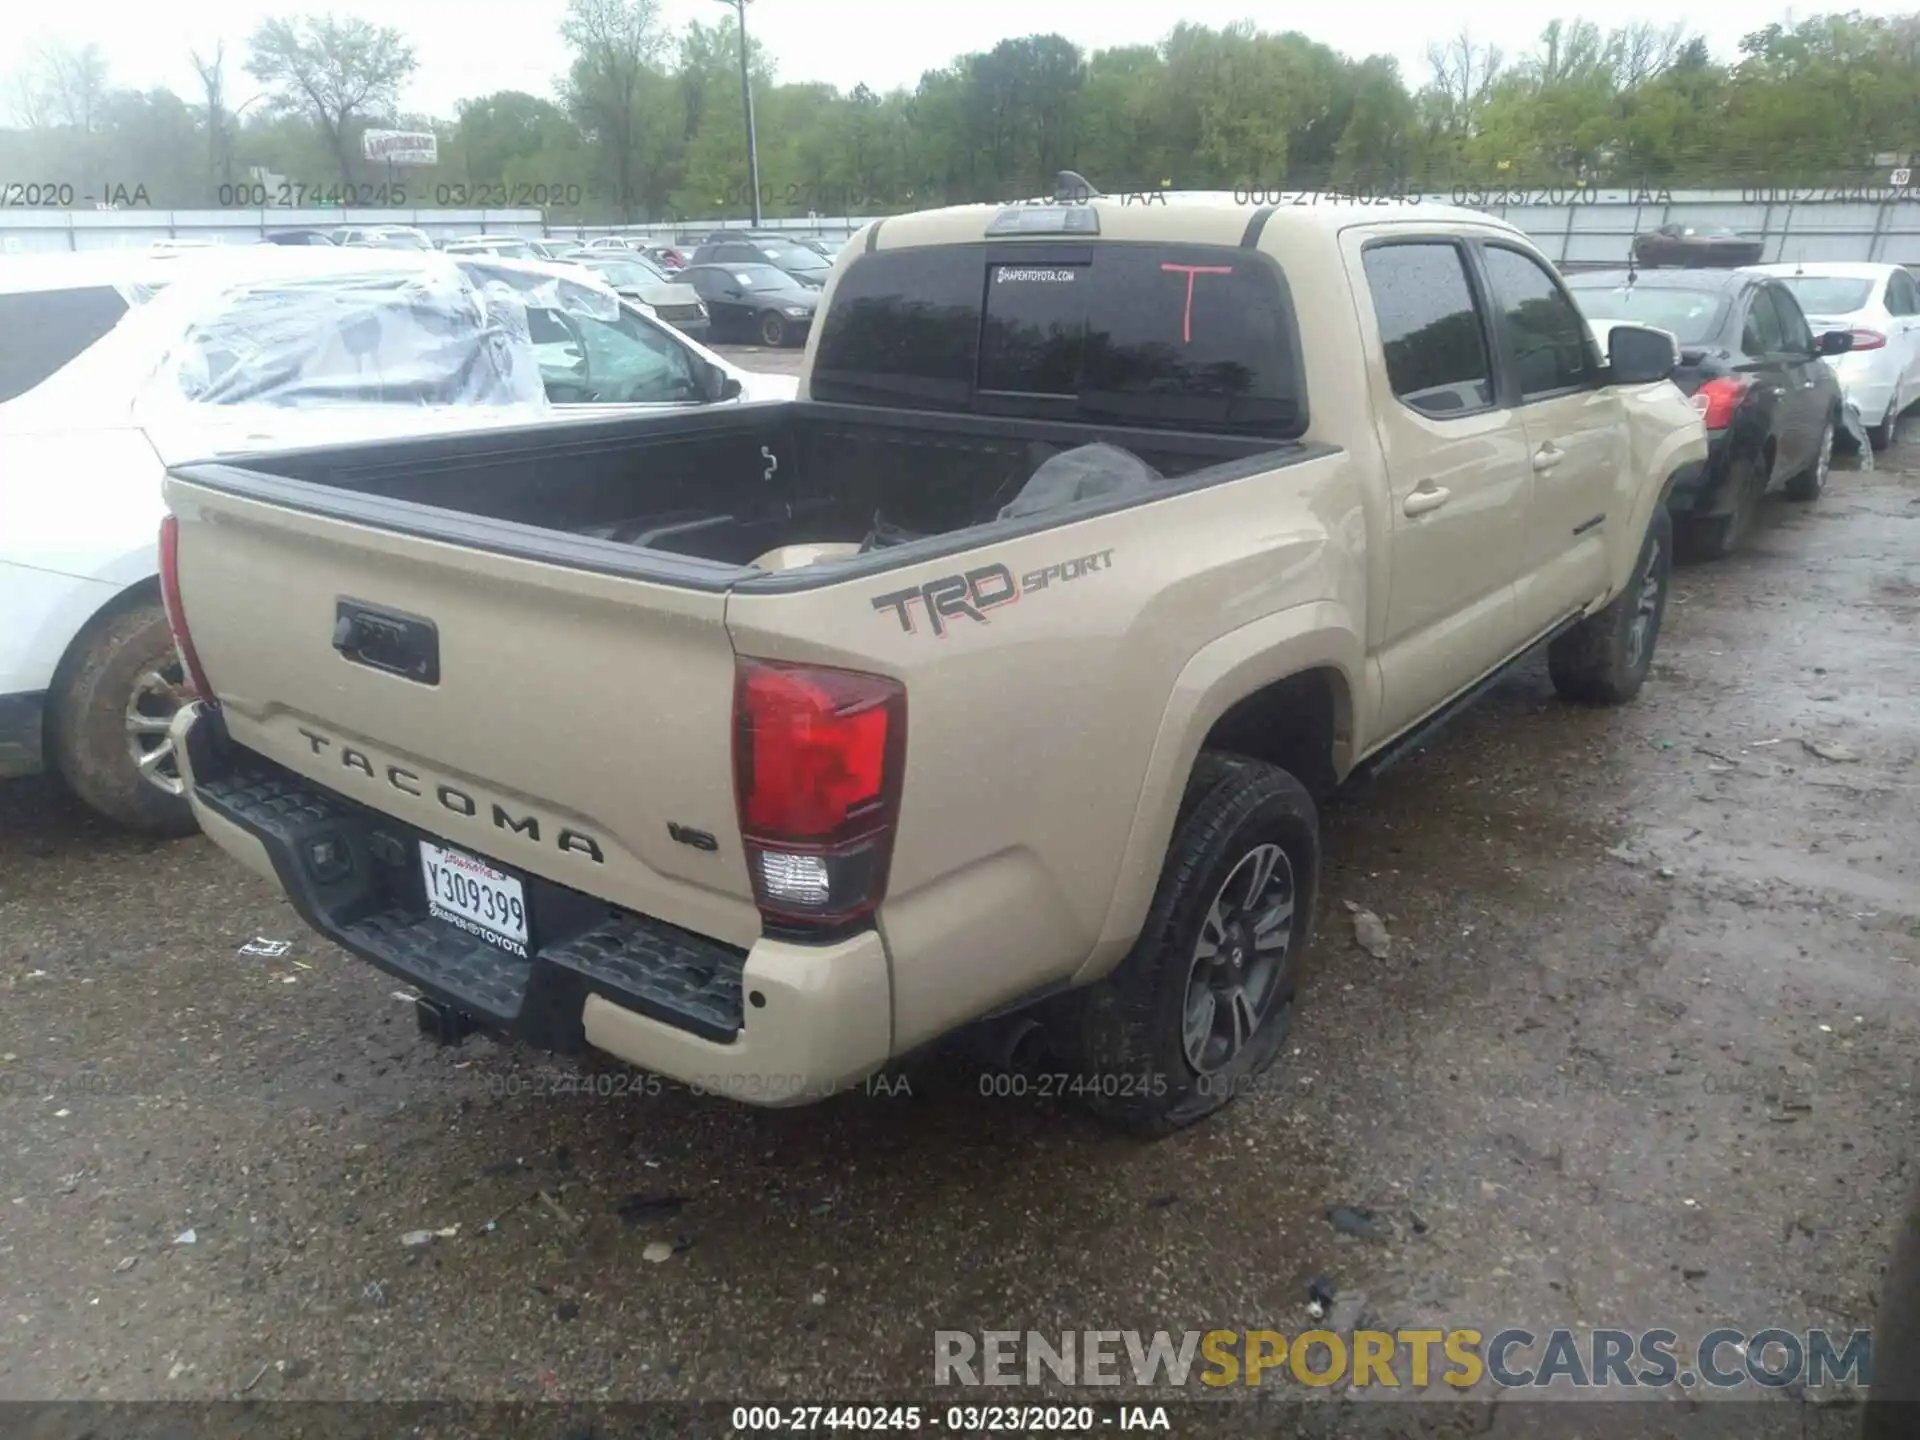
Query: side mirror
column 731, row 388
column 1835, row 342
column 1640, row 355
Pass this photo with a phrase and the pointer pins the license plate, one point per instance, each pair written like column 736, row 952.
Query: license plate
column 479, row 899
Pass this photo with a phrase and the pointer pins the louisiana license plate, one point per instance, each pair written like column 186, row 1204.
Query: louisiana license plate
column 479, row 899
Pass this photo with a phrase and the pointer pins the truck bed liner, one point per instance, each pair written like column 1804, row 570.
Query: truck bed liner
column 719, row 489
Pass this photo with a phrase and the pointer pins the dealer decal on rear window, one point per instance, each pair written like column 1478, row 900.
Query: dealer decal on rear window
column 971, row 594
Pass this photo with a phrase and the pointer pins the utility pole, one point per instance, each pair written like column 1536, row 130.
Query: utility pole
column 746, row 98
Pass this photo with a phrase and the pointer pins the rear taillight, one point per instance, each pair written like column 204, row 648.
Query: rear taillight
column 176, row 613
column 1718, row 399
column 817, row 761
column 1865, row 339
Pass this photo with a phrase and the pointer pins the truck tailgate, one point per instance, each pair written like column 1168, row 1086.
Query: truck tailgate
column 550, row 720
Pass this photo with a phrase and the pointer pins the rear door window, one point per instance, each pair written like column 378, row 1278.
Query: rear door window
column 1153, row 335
column 1431, row 331
column 1762, row 334
column 1796, row 334
column 1903, row 296
column 44, row 330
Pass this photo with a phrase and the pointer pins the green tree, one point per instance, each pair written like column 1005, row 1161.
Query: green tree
column 337, row 73
column 618, row 95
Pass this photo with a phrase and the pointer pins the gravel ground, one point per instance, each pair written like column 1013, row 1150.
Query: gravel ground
column 1640, row 1053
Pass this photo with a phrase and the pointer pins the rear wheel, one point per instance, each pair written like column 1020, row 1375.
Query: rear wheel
column 112, row 704
column 773, row 329
column 1605, row 658
column 1808, row 484
column 1201, row 1005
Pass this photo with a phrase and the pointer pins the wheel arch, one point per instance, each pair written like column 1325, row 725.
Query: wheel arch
column 140, row 592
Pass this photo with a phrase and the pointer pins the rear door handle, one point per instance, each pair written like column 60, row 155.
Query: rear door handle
column 1425, row 499
column 1546, row 457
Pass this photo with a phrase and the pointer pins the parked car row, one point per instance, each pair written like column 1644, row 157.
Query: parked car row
column 120, row 363
column 1770, row 382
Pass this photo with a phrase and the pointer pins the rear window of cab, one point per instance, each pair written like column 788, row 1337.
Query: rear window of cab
column 1157, row 336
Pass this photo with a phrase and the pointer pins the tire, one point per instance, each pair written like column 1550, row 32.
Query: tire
column 1605, row 658
column 123, row 664
column 1807, row 485
column 1149, row 1068
column 1892, row 1410
column 1721, row 536
column 773, row 330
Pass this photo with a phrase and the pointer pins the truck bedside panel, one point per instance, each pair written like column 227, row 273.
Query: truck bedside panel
column 1031, row 716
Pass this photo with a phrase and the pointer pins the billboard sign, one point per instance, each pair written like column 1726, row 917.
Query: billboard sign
column 402, row 147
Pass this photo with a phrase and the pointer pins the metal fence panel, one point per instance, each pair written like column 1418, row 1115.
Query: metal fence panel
column 1589, row 232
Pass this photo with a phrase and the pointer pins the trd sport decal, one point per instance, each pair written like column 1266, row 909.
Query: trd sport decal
column 972, row 594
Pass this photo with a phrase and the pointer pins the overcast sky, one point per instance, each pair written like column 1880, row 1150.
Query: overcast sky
column 469, row 49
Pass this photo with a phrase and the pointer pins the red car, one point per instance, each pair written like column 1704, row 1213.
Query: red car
column 1695, row 247
column 666, row 257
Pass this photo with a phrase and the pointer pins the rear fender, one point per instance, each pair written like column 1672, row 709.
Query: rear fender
column 1322, row 635
column 1666, row 437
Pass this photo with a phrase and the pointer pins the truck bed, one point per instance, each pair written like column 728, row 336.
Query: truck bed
column 696, row 498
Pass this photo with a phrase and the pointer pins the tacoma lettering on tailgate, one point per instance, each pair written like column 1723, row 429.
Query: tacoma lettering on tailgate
column 971, row 594
column 410, row 782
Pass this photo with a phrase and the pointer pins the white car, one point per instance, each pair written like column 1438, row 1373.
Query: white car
column 507, row 247
column 382, row 237
column 1880, row 304
column 121, row 363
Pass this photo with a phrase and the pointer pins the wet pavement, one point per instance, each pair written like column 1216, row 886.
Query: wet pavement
column 1641, row 1053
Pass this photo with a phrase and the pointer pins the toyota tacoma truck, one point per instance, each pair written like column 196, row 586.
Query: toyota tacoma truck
column 993, row 679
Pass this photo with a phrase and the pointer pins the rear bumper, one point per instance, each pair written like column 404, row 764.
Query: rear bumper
column 692, row 329
column 778, row 1024
column 21, row 744
column 1705, row 489
column 1688, row 485
column 1868, row 381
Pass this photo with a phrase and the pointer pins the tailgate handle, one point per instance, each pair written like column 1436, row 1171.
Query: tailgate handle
column 404, row 645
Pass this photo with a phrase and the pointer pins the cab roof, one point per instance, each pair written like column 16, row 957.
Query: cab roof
column 1193, row 216
column 1723, row 277
column 1839, row 269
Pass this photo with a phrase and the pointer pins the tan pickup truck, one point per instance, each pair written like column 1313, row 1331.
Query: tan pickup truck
column 994, row 679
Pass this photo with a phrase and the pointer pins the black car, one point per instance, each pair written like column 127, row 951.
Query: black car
column 809, row 267
column 1756, row 374
column 758, row 303
column 1696, row 247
